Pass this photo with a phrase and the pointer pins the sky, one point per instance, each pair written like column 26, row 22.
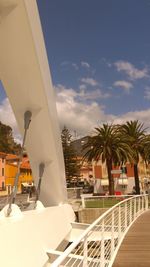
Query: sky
column 99, row 57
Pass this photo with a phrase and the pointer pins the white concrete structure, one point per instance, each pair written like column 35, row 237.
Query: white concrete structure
column 24, row 72
column 32, row 238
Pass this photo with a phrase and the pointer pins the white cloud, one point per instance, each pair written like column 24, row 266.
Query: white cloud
column 85, row 64
column 82, row 87
column 82, row 95
column 124, row 85
column 7, row 117
column 143, row 116
column 73, row 111
column 77, row 115
column 109, row 64
column 147, row 92
column 89, row 81
column 132, row 72
column 67, row 64
column 75, row 66
column 93, row 95
column 104, row 60
column 83, row 117
column 64, row 63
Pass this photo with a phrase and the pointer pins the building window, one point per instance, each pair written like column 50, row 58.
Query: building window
column 2, row 171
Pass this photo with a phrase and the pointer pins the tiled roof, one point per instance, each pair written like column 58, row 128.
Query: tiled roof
column 11, row 157
column 2, row 154
column 25, row 164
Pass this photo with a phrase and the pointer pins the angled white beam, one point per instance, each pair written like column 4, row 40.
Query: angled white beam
column 25, row 74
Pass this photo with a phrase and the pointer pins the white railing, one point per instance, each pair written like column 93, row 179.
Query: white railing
column 89, row 200
column 99, row 243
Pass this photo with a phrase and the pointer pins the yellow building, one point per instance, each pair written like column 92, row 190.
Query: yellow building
column 11, row 171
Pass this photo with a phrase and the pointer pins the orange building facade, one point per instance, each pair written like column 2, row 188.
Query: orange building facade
column 96, row 172
column 2, row 170
column 9, row 168
column 123, row 181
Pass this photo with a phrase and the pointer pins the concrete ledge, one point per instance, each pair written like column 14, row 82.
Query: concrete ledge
column 89, row 215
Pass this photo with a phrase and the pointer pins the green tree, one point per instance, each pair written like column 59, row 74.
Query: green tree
column 108, row 145
column 72, row 167
column 7, row 143
column 135, row 133
column 146, row 149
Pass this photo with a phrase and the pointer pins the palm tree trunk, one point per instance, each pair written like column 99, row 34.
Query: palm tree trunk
column 110, row 178
column 136, row 177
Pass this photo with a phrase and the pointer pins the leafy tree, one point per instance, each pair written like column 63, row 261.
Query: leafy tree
column 134, row 132
column 72, row 167
column 7, row 143
column 107, row 144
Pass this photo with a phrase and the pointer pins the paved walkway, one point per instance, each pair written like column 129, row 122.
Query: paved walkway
column 135, row 249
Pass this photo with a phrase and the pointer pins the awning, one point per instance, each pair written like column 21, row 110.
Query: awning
column 27, row 185
column 104, row 182
column 123, row 181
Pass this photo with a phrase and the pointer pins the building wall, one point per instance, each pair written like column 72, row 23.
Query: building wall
column 8, row 171
column 130, row 170
column 98, row 172
column 2, row 172
column 10, row 174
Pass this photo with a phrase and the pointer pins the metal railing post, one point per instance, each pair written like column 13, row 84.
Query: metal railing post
column 119, row 221
column 134, row 208
column 103, row 201
column 130, row 211
column 139, row 204
column 142, row 203
column 85, row 252
column 146, row 202
column 125, row 221
column 112, row 234
column 83, row 202
column 102, row 257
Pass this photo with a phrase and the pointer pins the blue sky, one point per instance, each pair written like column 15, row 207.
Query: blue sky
column 99, row 56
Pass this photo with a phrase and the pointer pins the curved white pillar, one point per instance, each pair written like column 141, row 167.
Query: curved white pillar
column 25, row 74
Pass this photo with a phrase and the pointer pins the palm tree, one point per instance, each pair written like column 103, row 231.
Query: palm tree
column 146, row 149
column 107, row 144
column 135, row 134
